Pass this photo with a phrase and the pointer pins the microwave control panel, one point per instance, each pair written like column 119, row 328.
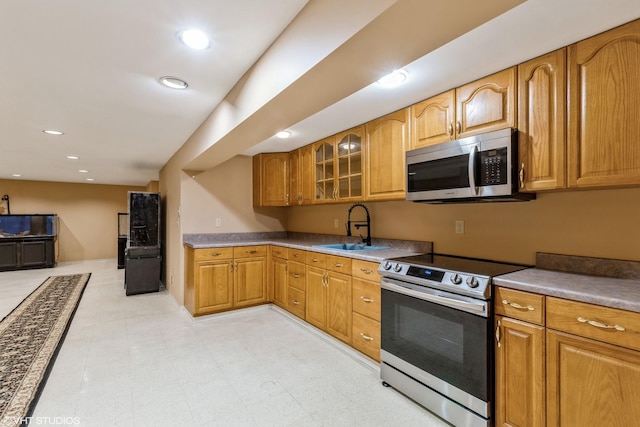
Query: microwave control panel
column 493, row 167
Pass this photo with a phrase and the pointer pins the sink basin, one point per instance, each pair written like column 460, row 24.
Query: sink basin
column 351, row 247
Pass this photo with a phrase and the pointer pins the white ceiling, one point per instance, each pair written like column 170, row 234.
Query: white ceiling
column 91, row 69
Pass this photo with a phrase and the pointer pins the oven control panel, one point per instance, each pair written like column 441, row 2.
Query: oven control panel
column 458, row 282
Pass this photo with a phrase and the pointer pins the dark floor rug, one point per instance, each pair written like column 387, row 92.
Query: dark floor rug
column 30, row 337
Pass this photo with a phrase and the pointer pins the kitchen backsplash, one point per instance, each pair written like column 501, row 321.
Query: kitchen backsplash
column 620, row 269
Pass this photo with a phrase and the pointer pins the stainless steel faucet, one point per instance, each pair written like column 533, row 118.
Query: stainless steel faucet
column 358, row 224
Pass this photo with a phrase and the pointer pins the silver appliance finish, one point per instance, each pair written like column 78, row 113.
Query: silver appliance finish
column 472, row 145
column 411, row 382
column 461, row 284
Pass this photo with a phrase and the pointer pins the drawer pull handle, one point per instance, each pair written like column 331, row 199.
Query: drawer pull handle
column 315, row 260
column 294, row 302
column 296, row 256
column 215, row 254
column 296, row 276
column 366, row 271
column 518, row 306
column 600, row 324
column 338, row 264
column 251, row 252
column 366, row 337
column 367, row 300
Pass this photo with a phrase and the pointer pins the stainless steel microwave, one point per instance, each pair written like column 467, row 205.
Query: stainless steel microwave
column 480, row 168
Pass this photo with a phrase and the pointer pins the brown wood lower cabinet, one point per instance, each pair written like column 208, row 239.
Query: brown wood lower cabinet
column 520, row 374
column 580, row 368
column 366, row 308
column 220, row 279
column 338, row 295
column 591, row 383
column 328, row 304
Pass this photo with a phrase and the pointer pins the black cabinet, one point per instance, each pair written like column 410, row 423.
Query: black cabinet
column 27, row 252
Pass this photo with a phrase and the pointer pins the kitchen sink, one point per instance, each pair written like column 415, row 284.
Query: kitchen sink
column 351, row 247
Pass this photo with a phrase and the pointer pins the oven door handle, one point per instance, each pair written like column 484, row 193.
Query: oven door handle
column 480, row 308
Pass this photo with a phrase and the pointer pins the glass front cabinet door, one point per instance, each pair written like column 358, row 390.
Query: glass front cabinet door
column 338, row 161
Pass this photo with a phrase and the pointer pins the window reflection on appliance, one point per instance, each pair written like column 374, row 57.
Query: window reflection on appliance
column 442, row 338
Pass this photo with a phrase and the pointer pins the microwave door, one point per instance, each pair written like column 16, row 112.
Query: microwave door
column 443, row 175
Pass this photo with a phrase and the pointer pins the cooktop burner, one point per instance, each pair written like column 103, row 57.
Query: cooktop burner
column 466, row 276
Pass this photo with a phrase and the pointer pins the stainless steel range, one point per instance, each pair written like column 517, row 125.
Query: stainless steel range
column 436, row 328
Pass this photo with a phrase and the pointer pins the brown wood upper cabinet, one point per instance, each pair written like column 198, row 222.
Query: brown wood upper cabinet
column 482, row 106
column 604, row 98
column 271, row 179
column 301, row 176
column 387, row 139
column 542, row 122
column 338, row 167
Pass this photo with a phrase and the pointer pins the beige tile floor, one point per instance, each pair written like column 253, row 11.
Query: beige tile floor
column 143, row 361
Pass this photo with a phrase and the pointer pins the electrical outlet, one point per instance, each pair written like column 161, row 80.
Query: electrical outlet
column 336, row 223
column 218, row 222
column 459, row 227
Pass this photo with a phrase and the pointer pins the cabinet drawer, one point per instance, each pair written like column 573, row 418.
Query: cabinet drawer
column 366, row 336
column 365, row 270
column 296, row 254
column 519, row 305
column 279, row 252
column 296, row 276
column 296, row 301
column 211, row 254
column 316, row 259
column 366, row 298
column 339, row 264
column 249, row 251
column 611, row 325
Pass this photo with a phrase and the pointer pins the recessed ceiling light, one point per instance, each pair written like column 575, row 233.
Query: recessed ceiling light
column 195, row 39
column 283, row 134
column 83, row 171
column 90, row 179
column 17, row 175
column 52, row 132
column 73, row 157
column 393, row 79
column 173, row 82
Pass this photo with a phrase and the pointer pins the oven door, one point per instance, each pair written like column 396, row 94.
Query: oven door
column 440, row 344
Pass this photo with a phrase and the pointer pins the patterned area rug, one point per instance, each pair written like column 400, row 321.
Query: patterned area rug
column 30, row 337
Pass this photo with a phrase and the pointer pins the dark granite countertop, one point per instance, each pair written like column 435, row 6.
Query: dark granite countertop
column 580, row 279
column 306, row 241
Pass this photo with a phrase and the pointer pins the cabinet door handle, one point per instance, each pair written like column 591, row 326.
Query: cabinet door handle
column 294, row 302
column 518, row 306
column 325, row 280
column 366, row 337
column 458, row 127
column 521, row 175
column 299, row 198
column 450, row 130
column 366, row 271
column 367, row 300
column 286, row 199
column 498, row 335
column 600, row 325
